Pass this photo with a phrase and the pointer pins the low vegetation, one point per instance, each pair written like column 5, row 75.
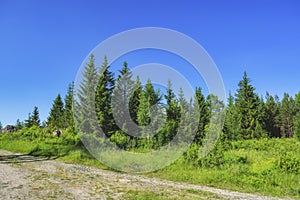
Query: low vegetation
column 266, row 166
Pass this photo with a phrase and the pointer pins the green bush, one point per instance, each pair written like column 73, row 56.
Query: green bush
column 289, row 162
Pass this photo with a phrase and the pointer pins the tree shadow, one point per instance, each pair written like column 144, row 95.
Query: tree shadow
column 23, row 158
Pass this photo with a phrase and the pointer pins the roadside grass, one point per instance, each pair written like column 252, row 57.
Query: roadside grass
column 268, row 166
column 163, row 195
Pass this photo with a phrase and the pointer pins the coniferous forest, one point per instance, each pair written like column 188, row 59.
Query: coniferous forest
column 255, row 123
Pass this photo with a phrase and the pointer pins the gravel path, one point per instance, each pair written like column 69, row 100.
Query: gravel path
column 27, row 177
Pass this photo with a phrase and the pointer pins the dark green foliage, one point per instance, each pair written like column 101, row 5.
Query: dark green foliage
column 231, row 125
column 104, row 88
column 68, row 109
column 287, row 113
column 1, row 127
column 203, row 111
column 271, row 116
column 35, row 117
column 143, row 115
column 248, row 109
column 56, row 116
column 153, row 96
column 134, row 102
column 173, row 115
column 297, row 117
column 28, row 121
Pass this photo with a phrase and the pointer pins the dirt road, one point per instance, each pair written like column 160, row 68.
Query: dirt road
column 27, row 177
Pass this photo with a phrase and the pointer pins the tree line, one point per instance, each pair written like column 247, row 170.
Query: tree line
column 248, row 115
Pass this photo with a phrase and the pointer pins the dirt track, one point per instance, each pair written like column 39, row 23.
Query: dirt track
column 27, row 177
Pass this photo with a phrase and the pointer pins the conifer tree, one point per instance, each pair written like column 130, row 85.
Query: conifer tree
column 85, row 105
column 287, row 113
column 203, row 111
column 231, row 124
column 104, row 89
column 247, row 104
column 153, row 96
column 1, row 127
column 68, row 109
column 56, row 116
column 143, row 115
column 123, row 90
column 297, row 117
column 271, row 114
column 187, row 122
column 28, row 121
column 172, row 114
column 134, row 102
column 35, row 117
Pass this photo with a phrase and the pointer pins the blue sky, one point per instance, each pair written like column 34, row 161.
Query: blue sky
column 43, row 43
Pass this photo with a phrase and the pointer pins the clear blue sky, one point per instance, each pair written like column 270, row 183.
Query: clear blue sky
column 43, row 43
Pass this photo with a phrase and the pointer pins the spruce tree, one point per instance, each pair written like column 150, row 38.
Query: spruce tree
column 56, row 116
column 123, row 90
column 271, row 114
column 203, row 111
column 172, row 114
column 134, row 102
column 247, row 104
column 143, row 115
column 187, row 123
column 153, row 96
column 35, row 117
column 287, row 113
column 68, row 109
column 104, row 89
column 85, row 104
column 1, row 127
column 231, row 124
column 28, row 121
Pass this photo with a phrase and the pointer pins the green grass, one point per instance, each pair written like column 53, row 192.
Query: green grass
column 268, row 166
column 163, row 195
column 251, row 166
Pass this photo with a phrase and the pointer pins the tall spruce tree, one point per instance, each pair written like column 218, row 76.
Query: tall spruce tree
column 56, row 116
column 68, row 109
column 1, row 127
column 287, row 113
column 271, row 114
column 123, row 90
column 231, row 124
column 134, row 102
column 85, row 105
column 247, row 104
column 203, row 118
column 172, row 114
column 104, row 89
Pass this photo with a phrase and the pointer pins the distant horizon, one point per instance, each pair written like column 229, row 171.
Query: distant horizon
column 43, row 44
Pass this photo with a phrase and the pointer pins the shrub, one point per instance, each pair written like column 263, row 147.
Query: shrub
column 289, row 162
